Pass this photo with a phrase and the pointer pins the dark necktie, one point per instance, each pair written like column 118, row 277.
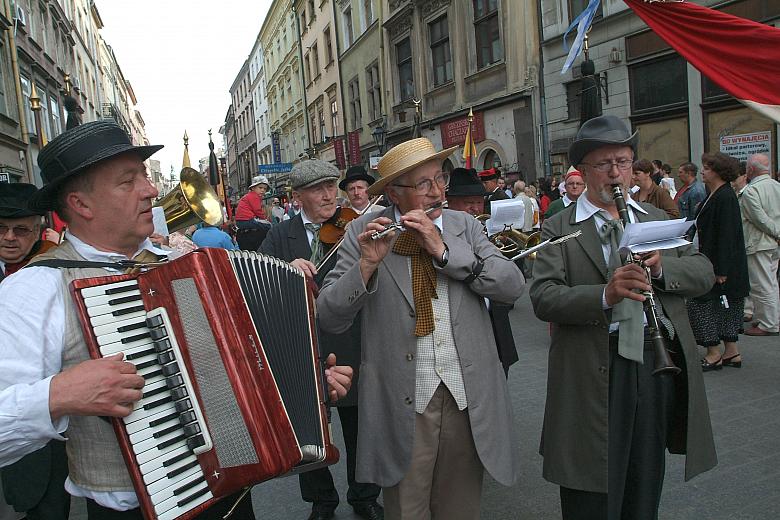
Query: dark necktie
column 316, row 245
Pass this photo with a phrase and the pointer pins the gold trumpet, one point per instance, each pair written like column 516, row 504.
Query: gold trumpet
column 191, row 202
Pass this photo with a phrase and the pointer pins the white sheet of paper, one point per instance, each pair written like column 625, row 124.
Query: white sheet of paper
column 641, row 237
column 509, row 212
column 160, row 226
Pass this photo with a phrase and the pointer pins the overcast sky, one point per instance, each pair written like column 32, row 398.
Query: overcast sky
column 181, row 56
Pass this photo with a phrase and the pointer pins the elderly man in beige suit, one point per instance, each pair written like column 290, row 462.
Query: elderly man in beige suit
column 760, row 206
column 435, row 398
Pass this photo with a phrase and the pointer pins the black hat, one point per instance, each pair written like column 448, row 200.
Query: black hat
column 14, row 198
column 75, row 150
column 465, row 183
column 597, row 132
column 356, row 173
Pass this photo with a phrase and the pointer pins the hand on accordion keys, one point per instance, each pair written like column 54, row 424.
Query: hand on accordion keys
column 339, row 378
column 105, row 387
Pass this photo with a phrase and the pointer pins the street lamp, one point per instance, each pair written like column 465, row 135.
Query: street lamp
column 379, row 133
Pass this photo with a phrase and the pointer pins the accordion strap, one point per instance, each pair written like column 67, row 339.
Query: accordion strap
column 57, row 263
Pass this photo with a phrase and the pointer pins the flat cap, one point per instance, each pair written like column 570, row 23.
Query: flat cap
column 311, row 172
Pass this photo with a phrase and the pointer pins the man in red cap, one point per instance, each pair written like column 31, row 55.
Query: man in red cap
column 575, row 186
column 489, row 180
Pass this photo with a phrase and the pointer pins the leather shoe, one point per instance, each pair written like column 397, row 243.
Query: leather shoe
column 729, row 361
column 321, row 515
column 369, row 511
column 706, row 366
column 755, row 331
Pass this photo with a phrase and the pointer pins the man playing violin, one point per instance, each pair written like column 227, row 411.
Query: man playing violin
column 301, row 241
column 434, row 406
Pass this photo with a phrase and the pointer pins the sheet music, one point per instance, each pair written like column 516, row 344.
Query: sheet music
column 641, row 237
column 504, row 213
column 160, row 225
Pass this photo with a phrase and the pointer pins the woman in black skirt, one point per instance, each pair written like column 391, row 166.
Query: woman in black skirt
column 717, row 316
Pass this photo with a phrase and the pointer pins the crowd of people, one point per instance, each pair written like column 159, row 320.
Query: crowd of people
column 414, row 304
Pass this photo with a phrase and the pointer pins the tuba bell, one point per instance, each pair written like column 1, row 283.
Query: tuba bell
column 510, row 241
column 193, row 201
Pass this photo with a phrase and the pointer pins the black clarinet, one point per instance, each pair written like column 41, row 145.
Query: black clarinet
column 663, row 361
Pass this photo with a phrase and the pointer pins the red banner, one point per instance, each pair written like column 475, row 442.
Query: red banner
column 354, row 147
column 338, row 147
column 453, row 132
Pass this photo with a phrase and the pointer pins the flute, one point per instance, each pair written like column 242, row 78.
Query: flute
column 376, row 235
column 663, row 361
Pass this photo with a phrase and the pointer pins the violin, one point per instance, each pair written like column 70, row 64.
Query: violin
column 333, row 229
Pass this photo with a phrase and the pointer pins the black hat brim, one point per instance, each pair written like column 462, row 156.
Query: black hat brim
column 467, row 190
column 6, row 212
column 360, row 177
column 45, row 199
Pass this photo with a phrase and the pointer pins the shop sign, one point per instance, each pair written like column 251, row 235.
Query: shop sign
column 742, row 146
column 5, row 178
column 354, row 147
column 453, row 132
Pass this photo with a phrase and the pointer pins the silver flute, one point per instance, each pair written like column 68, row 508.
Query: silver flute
column 376, row 235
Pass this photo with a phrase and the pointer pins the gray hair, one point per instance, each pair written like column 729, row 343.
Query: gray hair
column 759, row 163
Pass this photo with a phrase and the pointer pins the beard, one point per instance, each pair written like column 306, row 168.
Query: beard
column 605, row 195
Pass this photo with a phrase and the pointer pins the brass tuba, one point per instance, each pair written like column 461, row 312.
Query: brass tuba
column 191, row 202
column 510, row 241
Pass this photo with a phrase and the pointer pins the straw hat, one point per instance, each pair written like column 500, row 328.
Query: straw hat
column 404, row 158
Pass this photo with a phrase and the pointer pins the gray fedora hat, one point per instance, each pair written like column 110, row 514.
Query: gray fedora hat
column 600, row 131
column 75, row 150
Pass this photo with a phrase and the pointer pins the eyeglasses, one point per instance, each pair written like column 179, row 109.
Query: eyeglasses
column 623, row 165
column 424, row 186
column 19, row 231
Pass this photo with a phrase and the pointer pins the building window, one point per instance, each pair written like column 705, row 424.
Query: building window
column 349, row 35
column 56, row 118
column 658, row 84
column 315, row 61
column 403, row 57
column 374, row 91
column 27, row 110
column 368, row 12
column 353, row 88
column 573, row 104
column 486, row 29
column 44, row 111
column 577, row 6
column 303, row 21
column 334, row 117
column 440, row 50
column 306, row 69
column 321, row 121
column 328, row 47
column 312, row 13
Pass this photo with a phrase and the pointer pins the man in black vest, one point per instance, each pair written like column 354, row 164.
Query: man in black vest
column 466, row 193
column 298, row 241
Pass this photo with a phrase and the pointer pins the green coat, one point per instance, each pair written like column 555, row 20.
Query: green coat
column 566, row 291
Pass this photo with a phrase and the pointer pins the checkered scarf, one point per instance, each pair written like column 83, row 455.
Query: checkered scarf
column 423, row 281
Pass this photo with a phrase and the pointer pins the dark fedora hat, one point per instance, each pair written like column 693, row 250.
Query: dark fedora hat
column 356, row 173
column 75, row 150
column 14, row 198
column 465, row 183
column 597, row 132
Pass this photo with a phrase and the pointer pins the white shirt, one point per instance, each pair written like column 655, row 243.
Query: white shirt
column 32, row 328
column 566, row 200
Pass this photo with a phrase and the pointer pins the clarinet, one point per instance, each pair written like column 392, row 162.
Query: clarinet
column 663, row 361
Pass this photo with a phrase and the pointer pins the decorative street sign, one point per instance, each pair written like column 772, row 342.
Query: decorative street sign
column 282, row 167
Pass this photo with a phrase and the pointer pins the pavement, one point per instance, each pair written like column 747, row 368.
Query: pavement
column 745, row 412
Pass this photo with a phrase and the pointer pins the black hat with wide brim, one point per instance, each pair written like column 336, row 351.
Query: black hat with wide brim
column 465, row 183
column 598, row 132
column 14, row 200
column 356, row 173
column 75, row 150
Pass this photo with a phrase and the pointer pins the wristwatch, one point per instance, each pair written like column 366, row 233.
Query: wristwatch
column 445, row 257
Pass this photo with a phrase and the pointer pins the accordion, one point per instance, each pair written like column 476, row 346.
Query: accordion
column 234, row 388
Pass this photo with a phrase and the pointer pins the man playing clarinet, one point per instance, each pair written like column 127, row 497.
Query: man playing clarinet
column 608, row 420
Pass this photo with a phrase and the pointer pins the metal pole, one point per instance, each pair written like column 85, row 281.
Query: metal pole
column 542, row 101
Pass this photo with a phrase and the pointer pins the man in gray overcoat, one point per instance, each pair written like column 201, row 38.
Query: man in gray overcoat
column 433, row 398
column 608, row 420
